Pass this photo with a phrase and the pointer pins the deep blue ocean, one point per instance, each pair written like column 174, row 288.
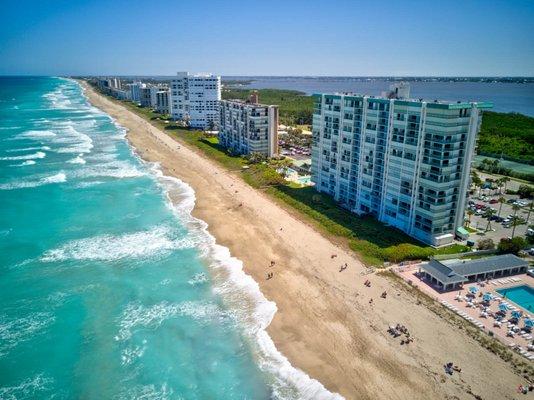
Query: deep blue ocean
column 107, row 289
column 506, row 97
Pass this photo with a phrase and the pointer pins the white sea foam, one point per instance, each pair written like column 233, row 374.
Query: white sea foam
column 28, row 149
column 148, row 392
column 198, row 279
column 18, row 330
column 157, row 241
column 76, row 141
column 24, row 164
column 112, row 169
column 27, row 389
column 131, row 354
column 33, row 156
column 136, row 315
column 77, row 160
column 57, row 178
column 35, row 134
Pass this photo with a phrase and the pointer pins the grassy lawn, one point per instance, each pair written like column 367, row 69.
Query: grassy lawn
column 374, row 242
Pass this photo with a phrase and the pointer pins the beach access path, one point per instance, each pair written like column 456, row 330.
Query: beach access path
column 325, row 325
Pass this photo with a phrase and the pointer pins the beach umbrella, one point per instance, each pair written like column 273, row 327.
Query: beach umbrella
column 473, row 289
column 487, row 297
column 516, row 314
column 529, row 323
column 503, row 307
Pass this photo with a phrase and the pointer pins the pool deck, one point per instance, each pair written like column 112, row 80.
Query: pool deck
column 518, row 342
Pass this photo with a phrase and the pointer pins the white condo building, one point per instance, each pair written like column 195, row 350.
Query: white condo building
column 247, row 127
column 406, row 162
column 195, row 98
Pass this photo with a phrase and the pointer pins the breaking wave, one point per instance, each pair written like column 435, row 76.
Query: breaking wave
column 157, row 241
column 33, row 156
column 57, row 178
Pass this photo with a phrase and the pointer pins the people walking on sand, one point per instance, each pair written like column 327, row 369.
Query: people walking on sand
column 270, row 275
column 367, row 283
column 272, row 263
column 371, row 301
column 343, row 268
column 384, row 294
column 333, row 256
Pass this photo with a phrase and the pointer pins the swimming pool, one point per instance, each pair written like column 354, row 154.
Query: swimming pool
column 522, row 295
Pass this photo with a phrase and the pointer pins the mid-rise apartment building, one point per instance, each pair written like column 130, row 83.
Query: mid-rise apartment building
column 405, row 162
column 247, row 127
column 145, row 96
column 195, row 99
column 162, row 101
column 135, row 91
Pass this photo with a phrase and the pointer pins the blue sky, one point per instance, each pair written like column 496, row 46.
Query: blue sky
column 329, row 37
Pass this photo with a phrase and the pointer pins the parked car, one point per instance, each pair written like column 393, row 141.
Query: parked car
column 493, row 201
column 511, row 201
column 531, row 271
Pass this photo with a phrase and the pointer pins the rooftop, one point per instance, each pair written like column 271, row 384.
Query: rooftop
column 436, row 103
column 459, row 271
column 247, row 103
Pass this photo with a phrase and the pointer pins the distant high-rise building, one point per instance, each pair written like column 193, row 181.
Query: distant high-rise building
column 406, row 162
column 145, row 97
column 195, row 99
column 135, row 90
column 249, row 127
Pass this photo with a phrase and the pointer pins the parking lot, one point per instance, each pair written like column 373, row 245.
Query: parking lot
column 500, row 227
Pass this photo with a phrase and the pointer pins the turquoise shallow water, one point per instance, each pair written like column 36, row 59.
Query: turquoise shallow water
column 522, row 295
column 107, row 290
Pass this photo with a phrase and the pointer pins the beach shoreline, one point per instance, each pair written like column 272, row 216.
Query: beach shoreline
column 324, row 325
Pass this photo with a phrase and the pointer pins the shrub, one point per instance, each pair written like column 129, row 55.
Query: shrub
column 486, row 244
column 513, row 246
column 525, row 191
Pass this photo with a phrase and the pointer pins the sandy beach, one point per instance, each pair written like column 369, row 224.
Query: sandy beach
column 325, row 324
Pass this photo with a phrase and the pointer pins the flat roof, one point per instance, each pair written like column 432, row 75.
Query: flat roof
column 245, row 103
column 443, row 104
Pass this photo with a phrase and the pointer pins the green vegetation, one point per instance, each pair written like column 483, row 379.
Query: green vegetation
column 371, row 239
column 508, row 135
column 514, row 245
column 295, row 107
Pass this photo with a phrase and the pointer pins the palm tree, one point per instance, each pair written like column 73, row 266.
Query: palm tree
column 475, row 179
column 530, row 206
column 488, row 214
column 501, row 201
column 469, row 215
column 515, row 219
column 504, row 180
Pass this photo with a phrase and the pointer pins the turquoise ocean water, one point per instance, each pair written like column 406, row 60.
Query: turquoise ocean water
column 107, row 290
